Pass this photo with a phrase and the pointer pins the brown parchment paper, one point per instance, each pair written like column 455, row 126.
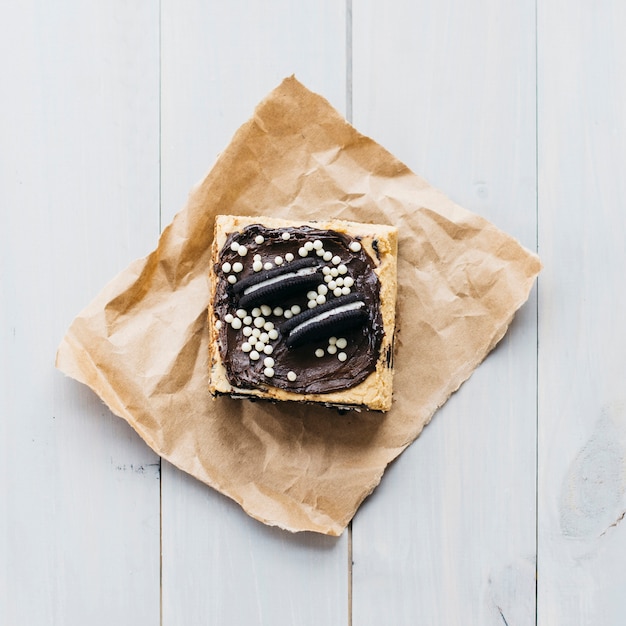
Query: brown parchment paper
column 142, row 343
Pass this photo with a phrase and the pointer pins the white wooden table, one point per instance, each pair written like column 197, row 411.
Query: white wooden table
column 508, row 509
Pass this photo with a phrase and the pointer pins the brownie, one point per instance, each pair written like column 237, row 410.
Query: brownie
column 303, row 311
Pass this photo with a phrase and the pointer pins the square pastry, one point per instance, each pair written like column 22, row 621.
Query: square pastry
column 303, row 311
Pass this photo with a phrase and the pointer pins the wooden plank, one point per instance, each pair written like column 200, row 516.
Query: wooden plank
column 219, row 60
column 582, row 344
column 79, row 521
column 449, row 535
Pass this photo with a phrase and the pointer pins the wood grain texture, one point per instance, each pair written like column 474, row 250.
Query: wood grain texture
column 449, row 536
column 582, row 345
column 79, row 491
column 218, row 61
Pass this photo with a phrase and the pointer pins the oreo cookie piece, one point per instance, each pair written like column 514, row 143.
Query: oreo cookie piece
column 303, row 311
column 315, row 324
column 278, row 284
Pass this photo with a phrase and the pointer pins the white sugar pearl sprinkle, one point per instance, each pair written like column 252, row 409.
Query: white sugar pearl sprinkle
column 268, row 361
column 291, row 376
column 332, row 341
column 355, row 246
column 335, row 260
column 320, row 252
column 278, row 260
column 273, row 334
column 289, row 257
column 286, row 236
column 342, row 269
column 241, row 313
column 345, row 291
column 259, row 346
column 339, row 281
column 295, row 309
column 268, row 326
column 269, row 372
column 256, row 333
column 331, row 349
column 247, row 320
column 234, row 246
column 256, row 312
column 257, row 266
column 236, row 323
column 332, row 284
column 303, row 251
column 326, row 270
column 268, row 266
column 311, row 304
column 320, row 299
column 259, row 321
column 288, row 314
column 348, row 281
column 319, row 353
column 259, row 239
column 226, row 267
column 264, row 337
column 334, row 272
column 322, row 290
column 311, row 295
column 337, row 292
column 308, row 246
column 256, row 257
column 254, row 355
column 242, row 250
column 327, row 278
column 266, row 309
column 268, row 349
column 317, row 244
column 228, row 318
column 342, row 356
column 232, row 279
column 246, row 347
column 327, row 256
column 341, row 343
column 278, row 311
column 247, row 331
column 238, row 267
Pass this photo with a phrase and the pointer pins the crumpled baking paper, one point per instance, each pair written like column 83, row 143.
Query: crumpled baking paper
column 142, row 343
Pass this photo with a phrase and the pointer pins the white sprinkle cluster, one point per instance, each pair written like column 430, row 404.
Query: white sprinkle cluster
column 317, row 297
column 335, row 346
column 259, row 334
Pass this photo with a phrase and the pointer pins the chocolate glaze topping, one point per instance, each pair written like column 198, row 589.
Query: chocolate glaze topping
column 296, row 369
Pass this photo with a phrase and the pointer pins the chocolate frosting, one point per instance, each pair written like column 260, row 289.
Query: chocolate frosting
column 313, row 374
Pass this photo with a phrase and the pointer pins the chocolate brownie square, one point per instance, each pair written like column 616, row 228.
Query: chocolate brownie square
column 303, row 311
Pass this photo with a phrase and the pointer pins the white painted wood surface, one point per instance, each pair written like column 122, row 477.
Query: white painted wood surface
column 110, row 112
column 582, row 343
column 79, row 193
column 449, row 538
column 218, row 61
